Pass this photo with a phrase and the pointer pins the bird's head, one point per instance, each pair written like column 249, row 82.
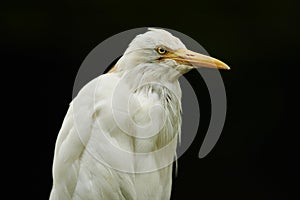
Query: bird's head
column 161, row 47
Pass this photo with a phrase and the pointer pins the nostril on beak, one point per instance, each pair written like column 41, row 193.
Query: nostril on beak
column 191, row 55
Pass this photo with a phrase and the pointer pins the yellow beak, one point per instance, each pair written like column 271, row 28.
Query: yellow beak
column 187, row 57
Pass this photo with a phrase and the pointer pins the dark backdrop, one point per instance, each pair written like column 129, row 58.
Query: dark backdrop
column 256, row 156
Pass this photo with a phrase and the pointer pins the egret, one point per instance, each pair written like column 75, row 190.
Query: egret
column 118, row 139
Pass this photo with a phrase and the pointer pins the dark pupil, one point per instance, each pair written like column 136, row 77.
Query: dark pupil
column 161, row 50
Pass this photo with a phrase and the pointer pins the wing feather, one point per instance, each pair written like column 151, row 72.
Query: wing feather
column 77, row 173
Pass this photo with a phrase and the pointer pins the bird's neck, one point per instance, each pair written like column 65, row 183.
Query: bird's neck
column 155, row 73
column 158, row 85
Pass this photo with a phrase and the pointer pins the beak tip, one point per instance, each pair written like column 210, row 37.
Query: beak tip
column 224, row 67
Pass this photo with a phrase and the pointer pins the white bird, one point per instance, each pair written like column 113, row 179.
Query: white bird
column 118, row 139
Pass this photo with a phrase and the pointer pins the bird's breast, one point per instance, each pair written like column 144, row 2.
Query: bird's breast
column 126, row 122
column 157, row 113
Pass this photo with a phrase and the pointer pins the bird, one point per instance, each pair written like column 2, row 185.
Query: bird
column 119, row 137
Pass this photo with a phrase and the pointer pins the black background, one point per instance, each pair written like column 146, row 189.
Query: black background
column 256, row 156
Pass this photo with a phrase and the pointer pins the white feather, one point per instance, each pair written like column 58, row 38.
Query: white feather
column 90, row 139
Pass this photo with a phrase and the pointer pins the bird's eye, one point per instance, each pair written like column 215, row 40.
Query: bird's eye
column 161, row 50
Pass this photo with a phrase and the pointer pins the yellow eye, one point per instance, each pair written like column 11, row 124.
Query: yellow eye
column 161, row 50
